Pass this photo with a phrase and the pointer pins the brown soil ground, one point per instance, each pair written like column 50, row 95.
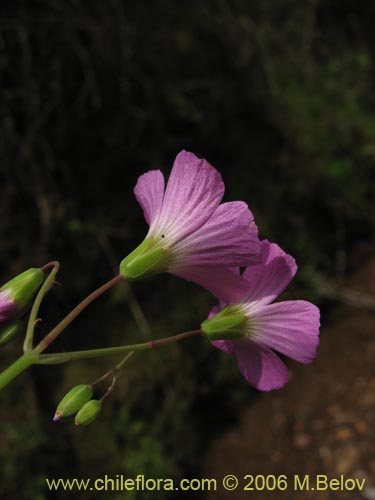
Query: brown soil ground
column 322, row 422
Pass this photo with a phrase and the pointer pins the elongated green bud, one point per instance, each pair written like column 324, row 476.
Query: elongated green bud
column 228, row 324
column 10, row 331
column 88, row 412
column 73, row 401
column 147, row 259
column 22, row 288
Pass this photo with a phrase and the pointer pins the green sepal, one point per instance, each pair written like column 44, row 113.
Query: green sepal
column 23, row 287
column 147, row 259
column 10, row 331
column 228, row 324
column 73, row 401
column 88, row 412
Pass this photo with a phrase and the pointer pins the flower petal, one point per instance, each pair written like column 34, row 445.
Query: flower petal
column 261, row 367
column 290, row 327
column 149, row 192
column 228, row 238
column 268, row 279
column 214, row 311
column 226, row 346
column 7, row 306
column 193, row 192
column 228, row 286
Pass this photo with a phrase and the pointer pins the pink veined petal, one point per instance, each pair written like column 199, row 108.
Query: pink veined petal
column 7, row 306
column 193, row 192
column 228, row 238
column 226, row 346
column 261, row 367
column 268, row 279
column 224, row 283
column 149, row 192
column 290, row 327
column 270, row 251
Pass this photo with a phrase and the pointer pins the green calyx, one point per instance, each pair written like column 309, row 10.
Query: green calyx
column 228, row 324
column 88, row 412
column 73, row 401
column 10, row 331
column 23, row 287
column 147, row 259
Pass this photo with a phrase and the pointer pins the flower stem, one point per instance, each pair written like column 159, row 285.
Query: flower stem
column 32, row 356
column 54, row 359
column 119, row 365
column 112, row 373
column 16, row 368
column 55, row 332
column 110, row 388
column 55, row 264
column 28, row 343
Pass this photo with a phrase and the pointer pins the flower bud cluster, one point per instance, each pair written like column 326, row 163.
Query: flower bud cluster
column 78, row 401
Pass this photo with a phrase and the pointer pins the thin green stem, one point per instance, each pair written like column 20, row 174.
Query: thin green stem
column 16, row 368
column 55, row 332
column 28, row 342
column 32, row 355
column 54, row 263
column 110, row 388
column 112, row 373
column 133, row 303
column 113, row 370
column 54, row 359
column 107, row 374
column 119, row 365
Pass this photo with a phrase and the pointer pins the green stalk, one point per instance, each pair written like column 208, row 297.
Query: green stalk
column 31, row 356
column 55, row 332
column 28, row 343
column 16, row 368
column 55, row 359
column 119, row 365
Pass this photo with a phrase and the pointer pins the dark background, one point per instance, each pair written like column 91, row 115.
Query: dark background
column 278, row 95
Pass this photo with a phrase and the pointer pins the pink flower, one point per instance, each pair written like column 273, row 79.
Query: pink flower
column 289, row 327
column 17, row 293
column 191, row 234
column 8, row 307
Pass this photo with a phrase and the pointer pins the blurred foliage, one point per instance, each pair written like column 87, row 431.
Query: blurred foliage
column 278, row 95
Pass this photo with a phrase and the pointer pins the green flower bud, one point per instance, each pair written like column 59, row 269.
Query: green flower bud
column 228, row 324
column 22, row 288
column 147, row 259
column 88, row 412
column 10, row 331
column 73, row 401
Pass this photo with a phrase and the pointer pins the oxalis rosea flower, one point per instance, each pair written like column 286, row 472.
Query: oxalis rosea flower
column 191, row 234
column 257, row 328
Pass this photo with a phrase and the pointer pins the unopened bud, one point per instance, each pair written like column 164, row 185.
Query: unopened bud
column 228, row 324
column 147, row 259
column 16, row 294
column 8, row 307
column 73, row 401
column 88, row 412
column 10, row 331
